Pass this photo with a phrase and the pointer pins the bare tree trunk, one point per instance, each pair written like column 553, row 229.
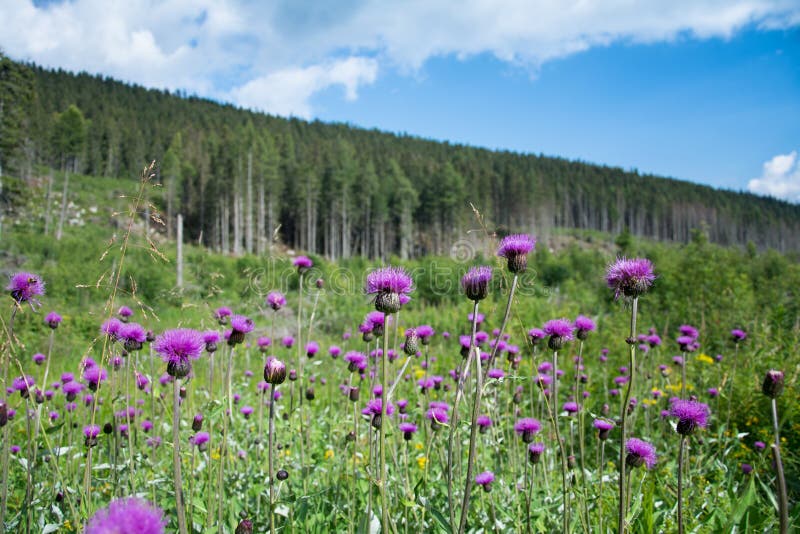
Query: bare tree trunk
column 270, row 223
column 48, row 204
column 345, row 228
column 260, row 229
column 179, row 262
column 60, row 229
column 170, row 200
column 237, row 227
column 248, row 217
column 226, row 221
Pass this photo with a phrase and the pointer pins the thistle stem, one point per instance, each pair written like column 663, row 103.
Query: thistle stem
column 623, row 508
column 454, row 423
column 176, row 457
column 783, row 501
column 270, row 438
column 680, row 485
column 6, row 437
column 383, row 478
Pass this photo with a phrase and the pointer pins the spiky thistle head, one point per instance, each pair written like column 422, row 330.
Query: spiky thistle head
column 515, row 249
column 127, row 515
column 388, row 284
column 475, row 283
column 630, row 277
column 25, row 287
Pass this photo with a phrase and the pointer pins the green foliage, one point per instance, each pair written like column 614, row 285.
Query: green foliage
column 340, row 191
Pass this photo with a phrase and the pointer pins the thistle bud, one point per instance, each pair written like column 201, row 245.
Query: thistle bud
column 197, row 423
column 245, row 526
column 275, row 371
column 411, row 346
column 282, row 474
column 179, row 369
column 773, row 384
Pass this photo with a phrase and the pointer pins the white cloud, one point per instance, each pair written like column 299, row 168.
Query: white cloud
column 287, row 91
column 292, row 49
column 780, row 178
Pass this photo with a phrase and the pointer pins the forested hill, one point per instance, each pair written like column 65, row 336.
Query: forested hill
column 238, row 176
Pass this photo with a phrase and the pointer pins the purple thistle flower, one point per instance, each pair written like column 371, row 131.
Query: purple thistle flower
column 211, row 338
column 303, row 263
column 536, row 335
column 485, row 480
column 312, row 348
column 91, row 431
column 132, row 335
column 481, row 318
column 559, row 332
column 25, row 287
column 630, row 277
column 287, row 342
column 263, row 343
column 653, row 340
column 747, row 469
column 111, row 328
column 495, row 373
column 571, row 407
column 583, row 325
column 388, row 284
column 94, row 375
column 640, row 453
column 712, row 392
column 72, row 390
column 246, row 411
column 131, row 515
column 690, row 414
column 425, row 333
column 484, row 422
column 52, row 320
column 738, row 335
column 177, row 347
column 357, row 361
column 476, row 283
column 147, row 425
column 240, row 325
column 39, row 358
column 222, row 314
column 124, row 312
column 689, row 331
column 408, row 430
column 276, row 300
column 200, row 440
column 515, row 249
column 53, row 416
column 603, row 427
column 527, row 428
column 760, row 445
column 535, row 451
column 686, row 343
column 335, row 351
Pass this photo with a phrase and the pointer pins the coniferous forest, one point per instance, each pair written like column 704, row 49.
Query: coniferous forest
column 243, row 180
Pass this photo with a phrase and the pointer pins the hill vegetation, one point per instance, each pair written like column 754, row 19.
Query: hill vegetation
column 243, row 180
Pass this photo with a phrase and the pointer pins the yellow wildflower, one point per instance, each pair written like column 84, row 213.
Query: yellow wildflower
column 419, row 373
column 705, row 358
column 421, row 462
column 418, row 446
column 329, row 454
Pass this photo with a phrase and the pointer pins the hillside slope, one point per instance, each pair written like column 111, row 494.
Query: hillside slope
column 241, row 178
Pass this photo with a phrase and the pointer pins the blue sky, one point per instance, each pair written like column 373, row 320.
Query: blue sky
column 703, row 90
